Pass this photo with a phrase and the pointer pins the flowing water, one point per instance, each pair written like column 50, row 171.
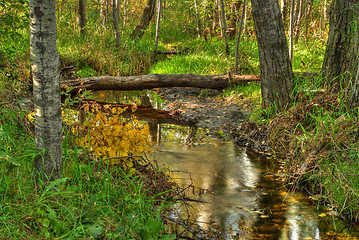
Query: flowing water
column 241, row 195
column 238, row 192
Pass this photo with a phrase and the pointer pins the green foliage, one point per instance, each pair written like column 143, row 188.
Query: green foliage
column 14, row 15
column 93, row 200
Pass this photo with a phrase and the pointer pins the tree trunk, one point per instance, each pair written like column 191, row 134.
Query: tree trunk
column 341, row 56
column 224, row 29
column 146, row 17
column 284, row 9
column 115, row 23
column 236, row 71
column 82, row 16
column 198, row 18
column 275, row 65
column 155, row 81
column 291, row 30
column 46, row 89
column 124, row 16
column 159, row 9
column 354, row 97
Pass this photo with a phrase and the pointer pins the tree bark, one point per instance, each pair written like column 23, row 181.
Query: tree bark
column 275, row 65
column 158, row 23
column 354, row 97
column 146, row 17
column 341, row 56
column 224, row 28
column 82, row 16
column 115, row 23
column 46, row 89
column 236, row 69
column 198, row 18
column 291, row 30
column 155, row 81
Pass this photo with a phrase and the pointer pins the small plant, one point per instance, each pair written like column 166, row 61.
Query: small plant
column 113, row 138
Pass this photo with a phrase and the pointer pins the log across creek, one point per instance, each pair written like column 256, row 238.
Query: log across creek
column 155, row 81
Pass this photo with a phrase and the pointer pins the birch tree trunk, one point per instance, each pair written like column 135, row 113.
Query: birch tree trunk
column 82, row 16
column 159, row 9
column 275, row 65
column 115, row 23
column 46, row 89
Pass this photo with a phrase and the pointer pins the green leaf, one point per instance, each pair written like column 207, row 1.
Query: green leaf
column 95, row 230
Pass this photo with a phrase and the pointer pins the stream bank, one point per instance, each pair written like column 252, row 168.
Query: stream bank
column 288, row 136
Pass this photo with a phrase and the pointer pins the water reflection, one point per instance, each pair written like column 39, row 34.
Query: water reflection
column 241, row 196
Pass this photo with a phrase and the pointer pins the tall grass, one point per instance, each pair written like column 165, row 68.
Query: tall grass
column 92, row 200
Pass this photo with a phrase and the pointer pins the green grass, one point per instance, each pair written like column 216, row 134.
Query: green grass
column 92, row 200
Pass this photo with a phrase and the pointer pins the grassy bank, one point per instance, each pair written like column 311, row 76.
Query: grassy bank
column 316, row 139
column 92, row 200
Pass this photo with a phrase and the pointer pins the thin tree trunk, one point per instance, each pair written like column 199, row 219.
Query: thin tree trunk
column 159, row 9
column 224, row 28
column 146, row 17
column 198, row 18
column 291, row 31
column 239, row 36
column 307, row 20
column 275, row 65
column 298, row 19
column 124, row 16
column 245, row 21
column 46, row 89
column 82, row 16
column 284, row 9
column 115, row 23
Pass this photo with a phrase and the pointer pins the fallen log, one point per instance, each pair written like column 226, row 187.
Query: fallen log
column 162, row 81
column 155, row 81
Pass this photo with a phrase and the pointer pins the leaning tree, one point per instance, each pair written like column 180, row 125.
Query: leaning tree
column 46, row 87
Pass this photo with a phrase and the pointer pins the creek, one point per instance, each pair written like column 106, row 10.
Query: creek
column 240, row 193
column 236, row 192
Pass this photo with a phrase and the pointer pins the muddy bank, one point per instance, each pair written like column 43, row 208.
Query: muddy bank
column 222, row 116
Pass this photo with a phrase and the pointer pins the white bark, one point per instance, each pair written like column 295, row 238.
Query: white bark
column 46, row 85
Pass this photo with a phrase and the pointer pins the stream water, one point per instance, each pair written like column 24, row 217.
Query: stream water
column 242, row 195
column 238, row 193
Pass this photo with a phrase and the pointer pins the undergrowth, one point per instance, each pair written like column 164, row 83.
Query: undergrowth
column 318, row 138
column 92, row 200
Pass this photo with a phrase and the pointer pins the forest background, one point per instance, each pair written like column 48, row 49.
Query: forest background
column 316, row 136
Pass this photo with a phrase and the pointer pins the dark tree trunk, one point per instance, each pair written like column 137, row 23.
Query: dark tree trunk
column 146, row 17
column 115, row 23
column 341, row 56
column 275, row 65
column 82, row 16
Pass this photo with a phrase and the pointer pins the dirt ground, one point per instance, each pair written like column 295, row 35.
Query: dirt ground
column 205, row 108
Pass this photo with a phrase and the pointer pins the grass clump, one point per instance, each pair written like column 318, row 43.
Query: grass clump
column 318, row 138
column 93, row 200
